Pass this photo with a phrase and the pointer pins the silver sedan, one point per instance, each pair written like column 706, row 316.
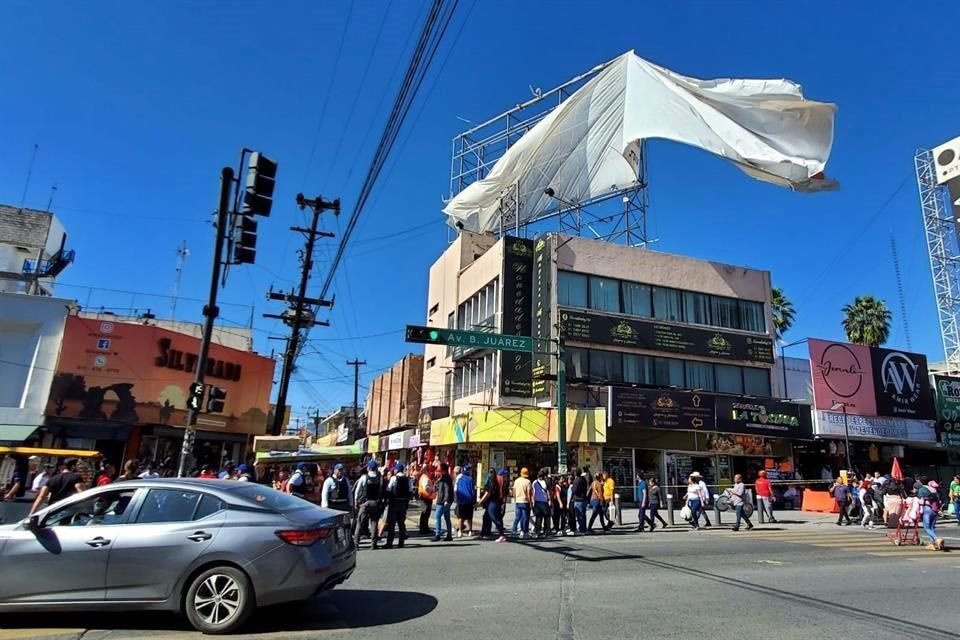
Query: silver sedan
column 210, row 549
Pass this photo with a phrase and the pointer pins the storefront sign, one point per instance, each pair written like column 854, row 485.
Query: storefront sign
column 948, row 410
column 631, row 407
column 384, row 443
column 542, row 327
column 657, row 336
column 373, row 444
column 764, row 416
column 400, row 440
column 830, row 423
column 140, row 374
column 537, row 426
column 902, row 384
column 739, row 445
column 414, row 441
column 516, row 378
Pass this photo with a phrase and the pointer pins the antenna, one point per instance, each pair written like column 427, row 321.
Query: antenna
column 53, row 192
column 182, row 253
column 26, row 185
column 903, row 304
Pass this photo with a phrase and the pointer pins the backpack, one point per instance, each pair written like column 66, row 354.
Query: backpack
column 466, row 491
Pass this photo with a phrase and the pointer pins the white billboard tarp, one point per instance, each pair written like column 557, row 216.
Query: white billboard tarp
column 588, row 145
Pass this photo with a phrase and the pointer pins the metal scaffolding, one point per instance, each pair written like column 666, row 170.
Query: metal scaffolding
column 941, row 234
column 619, row 215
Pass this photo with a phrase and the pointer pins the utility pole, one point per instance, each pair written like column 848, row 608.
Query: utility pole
column 298, row 316
column 210, row 313
column 561, row 405
column 316, row 423
column 356, row 390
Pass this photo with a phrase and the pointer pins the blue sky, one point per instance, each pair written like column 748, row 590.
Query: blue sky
column 136, row 107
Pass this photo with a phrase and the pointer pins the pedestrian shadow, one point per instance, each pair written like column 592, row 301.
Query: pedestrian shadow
column 339, row 609
column 581, row 554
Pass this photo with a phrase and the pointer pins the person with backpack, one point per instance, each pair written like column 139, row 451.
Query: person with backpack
column 466, row 499
column 491, row 501
column 930, row 498
column 368, row 496
column 398, row 499
column 301, row 482
column 336, row 492
column 541, row 505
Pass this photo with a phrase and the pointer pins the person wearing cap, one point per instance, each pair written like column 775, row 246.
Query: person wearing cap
column 243, row 473
column 61, row 486
column 41, row 479
column 229, row 469
column 368, row 495
column 300, row 482
column 336, row 492
column 445, row 495
column 765, row 496
column 930, row 498
column 522, row 499
column 398, row 500
column 466, row 498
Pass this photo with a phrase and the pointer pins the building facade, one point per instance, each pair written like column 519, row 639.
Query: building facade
column 33, row 250
column 393, row 409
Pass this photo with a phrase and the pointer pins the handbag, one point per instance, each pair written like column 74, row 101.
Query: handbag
column 686, row 513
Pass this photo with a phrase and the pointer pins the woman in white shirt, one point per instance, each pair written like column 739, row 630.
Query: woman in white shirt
column 694, row 502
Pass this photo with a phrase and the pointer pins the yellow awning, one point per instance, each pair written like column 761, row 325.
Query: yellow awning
column 61, row 453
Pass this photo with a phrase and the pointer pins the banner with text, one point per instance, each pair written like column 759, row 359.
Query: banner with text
column 516, row 378
column 948, row 410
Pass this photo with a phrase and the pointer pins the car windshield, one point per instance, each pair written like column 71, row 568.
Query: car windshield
column 271, row 498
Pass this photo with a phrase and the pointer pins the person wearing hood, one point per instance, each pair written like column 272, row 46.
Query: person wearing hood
column 369, row 494
column 399, row 492
column 336, row 492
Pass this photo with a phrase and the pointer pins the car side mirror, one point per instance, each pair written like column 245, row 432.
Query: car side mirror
column 33, row 523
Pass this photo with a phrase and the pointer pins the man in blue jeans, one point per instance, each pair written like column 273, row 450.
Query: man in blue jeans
column 737, row 497
column 443, row 501
column 578, row 495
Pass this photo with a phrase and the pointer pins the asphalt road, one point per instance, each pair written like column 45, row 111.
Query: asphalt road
column 790, row 581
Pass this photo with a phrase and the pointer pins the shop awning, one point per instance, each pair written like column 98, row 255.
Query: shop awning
column 16, row 433
column 309, row 455
column 58, row 453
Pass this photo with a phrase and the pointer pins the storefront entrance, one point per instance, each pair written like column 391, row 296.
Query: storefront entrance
column 681, row 465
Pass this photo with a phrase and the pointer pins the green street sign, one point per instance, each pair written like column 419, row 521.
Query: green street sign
column 468, row 339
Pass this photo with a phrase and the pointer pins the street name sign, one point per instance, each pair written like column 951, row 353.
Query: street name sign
column 469, row 339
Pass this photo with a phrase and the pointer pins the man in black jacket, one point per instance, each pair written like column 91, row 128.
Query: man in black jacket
column 369, row 494
column 443, row 501
column 398, row 496
column 581, row 487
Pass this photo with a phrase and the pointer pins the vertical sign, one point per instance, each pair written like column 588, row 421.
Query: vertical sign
column 542, row 327
column 517, row 295
column 948, row 412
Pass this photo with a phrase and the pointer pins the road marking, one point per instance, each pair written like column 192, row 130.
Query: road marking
column 24, row 634
column 568, row 579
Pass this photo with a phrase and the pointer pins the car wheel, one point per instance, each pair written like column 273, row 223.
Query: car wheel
column 219, row 600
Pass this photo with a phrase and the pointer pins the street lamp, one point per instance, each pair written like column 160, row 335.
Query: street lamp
column 783, row 363
column 846, row 430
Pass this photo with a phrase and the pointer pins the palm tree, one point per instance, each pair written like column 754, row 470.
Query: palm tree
column 783, row 312
column 867, row 321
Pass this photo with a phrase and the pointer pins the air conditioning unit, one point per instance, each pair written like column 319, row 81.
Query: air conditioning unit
column 946, row 158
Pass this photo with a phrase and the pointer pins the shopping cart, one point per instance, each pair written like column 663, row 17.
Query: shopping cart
column 908, row 524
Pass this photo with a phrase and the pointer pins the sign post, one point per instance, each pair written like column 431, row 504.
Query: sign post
column 469, row 339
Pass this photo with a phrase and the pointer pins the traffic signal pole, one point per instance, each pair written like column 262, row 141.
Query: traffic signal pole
column 561, row 408
column 210, row 312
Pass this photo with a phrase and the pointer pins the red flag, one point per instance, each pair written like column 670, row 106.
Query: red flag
column 896, row 473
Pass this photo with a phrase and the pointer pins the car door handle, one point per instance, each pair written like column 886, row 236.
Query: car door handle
column 200, row 536
column 98, row 542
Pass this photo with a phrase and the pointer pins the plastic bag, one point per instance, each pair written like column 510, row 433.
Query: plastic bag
column 686, row 513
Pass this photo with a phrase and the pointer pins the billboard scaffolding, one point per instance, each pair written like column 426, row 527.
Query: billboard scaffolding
column 941, row 236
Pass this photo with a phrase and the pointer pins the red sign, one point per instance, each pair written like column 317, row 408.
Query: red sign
column 842, row 373
column 141, row 374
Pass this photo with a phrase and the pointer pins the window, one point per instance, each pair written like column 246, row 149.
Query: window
column 638, row 369
column 571, row 289
column 270, row 498
column 434, row 309
column 666, row 304
column 576, row 362
column 729, row 378
column 605, row 366
column 756, row 382
column 668, row 372
column 751, row 316
column 168, row 505
column 696, row 308
column 103, row 509
column 604, row 294
column 724, row 312
column 636, row 299
column 431, row 363
column 700, row 376
column 208, row 506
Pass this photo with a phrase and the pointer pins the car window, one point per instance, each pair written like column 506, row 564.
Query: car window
column 208, row 506
column 271, row 498
column 103, row 509
column 168, row 505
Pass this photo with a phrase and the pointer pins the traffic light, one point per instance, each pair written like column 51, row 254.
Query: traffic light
column 245, row 240
column 195, row 399
column 425, row 335
column 215, row 400
column 261, row 177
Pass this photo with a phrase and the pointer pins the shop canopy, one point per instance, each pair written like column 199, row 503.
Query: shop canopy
column 312, row 454
column 53, row 453
column 16, row 432
column 590, row 144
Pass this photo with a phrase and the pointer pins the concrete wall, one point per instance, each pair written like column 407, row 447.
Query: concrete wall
column 31, row 332
column 393, row 401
